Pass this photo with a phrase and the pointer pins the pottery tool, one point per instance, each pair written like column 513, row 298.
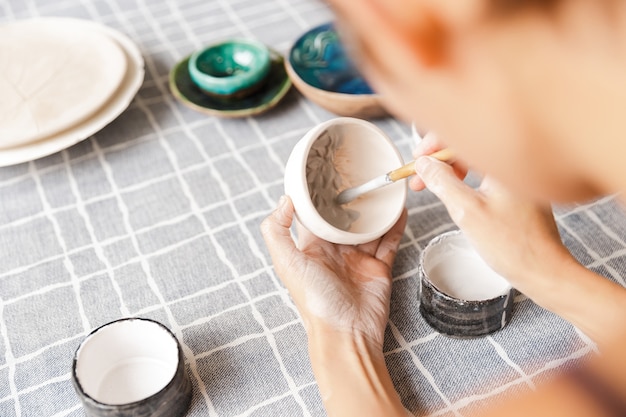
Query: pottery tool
column 405, row 171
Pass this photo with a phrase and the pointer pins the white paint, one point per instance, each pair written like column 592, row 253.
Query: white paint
column 456, row 269
column 126, row 361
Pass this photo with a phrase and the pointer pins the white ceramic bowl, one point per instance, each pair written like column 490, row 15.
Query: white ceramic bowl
column 365, row 152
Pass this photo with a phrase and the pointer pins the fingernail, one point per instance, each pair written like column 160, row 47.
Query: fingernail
column 422, row 164
column 282, row 200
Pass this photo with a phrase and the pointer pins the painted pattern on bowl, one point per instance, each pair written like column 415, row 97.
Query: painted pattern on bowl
column 320, row 59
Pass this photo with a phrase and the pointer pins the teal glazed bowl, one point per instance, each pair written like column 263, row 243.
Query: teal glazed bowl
column 232, row 68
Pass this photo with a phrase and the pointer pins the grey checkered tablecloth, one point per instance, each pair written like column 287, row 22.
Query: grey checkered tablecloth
column 158, row 215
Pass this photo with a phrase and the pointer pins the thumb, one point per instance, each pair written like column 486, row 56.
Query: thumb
column 276, row 233
column 439, row 177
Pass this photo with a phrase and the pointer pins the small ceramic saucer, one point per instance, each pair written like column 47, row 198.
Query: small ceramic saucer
column 275, row 86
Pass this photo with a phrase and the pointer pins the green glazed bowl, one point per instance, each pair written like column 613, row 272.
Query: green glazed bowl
column 270, row 92
column 233, row 68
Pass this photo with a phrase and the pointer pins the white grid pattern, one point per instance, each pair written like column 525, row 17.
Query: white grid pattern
column 160, row 22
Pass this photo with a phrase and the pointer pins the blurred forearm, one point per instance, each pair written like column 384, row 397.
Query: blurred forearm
column 591, row 302
column 352, row 376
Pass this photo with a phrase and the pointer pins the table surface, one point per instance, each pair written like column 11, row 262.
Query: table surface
column 158, row 215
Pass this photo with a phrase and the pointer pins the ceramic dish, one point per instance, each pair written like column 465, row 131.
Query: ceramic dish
column 116, row 104
column 339, row 154
column 55, row 76
column 271, row 92
column 321, row 70
column 131, row 367
column 461, row 296
column 233, row 68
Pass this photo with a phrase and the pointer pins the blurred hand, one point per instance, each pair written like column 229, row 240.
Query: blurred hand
column 428, row 145
column 508, row 84
column 516, row 237
column 335, row 287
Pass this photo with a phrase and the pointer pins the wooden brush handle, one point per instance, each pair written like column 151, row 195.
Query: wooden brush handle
column 407, row 170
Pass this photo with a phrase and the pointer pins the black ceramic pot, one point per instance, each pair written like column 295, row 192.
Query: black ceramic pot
column 131, row 368
column 457, row 317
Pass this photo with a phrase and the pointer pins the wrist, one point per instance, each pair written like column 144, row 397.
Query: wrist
column 351, row 374
column 591, row 302
column 543, row 277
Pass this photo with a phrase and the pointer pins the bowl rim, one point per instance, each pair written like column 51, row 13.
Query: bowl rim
column 134, row 404
column 335, row 234
column 299, row 81
column 296, row 77
column 224, row 85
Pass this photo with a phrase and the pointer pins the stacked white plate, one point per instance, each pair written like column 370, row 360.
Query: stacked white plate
column 61, row 81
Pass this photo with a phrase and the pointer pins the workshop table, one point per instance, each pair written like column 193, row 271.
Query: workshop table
column 157, row 215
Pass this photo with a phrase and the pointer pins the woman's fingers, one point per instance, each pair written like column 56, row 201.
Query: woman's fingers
column 389, row 243
column 428, row 145
column 460, row 170
column 304, row 237
column 440, row 178
column 275, row 230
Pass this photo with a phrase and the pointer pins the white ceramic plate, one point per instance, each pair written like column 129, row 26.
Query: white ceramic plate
column 53, row 75
column 116, row 104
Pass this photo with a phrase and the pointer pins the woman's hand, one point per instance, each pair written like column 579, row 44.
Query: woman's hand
column 516, row 237
column 519, row 239
column 342, row 293
column 429, row 144
column 335, row 287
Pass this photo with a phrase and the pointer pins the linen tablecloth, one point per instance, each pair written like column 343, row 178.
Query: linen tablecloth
column 158, row 215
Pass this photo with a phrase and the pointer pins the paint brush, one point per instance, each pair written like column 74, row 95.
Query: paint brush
column 350, row 194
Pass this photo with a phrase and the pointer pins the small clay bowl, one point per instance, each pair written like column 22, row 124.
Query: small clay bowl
column 271, row 91
column 359, row 151
column 461, row 296
column 131, row 367
column 321, row 70
column 233, row 68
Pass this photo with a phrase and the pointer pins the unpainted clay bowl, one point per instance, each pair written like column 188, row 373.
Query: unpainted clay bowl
column 232, row 68
column 460, row 295
column 366, row 152
column 321, row 70
column 131, row 367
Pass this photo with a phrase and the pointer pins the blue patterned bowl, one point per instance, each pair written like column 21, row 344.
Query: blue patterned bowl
column 233, row 68
column 321, row 70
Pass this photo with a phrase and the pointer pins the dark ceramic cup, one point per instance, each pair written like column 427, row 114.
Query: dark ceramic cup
column 131, row 368
column 460, row 296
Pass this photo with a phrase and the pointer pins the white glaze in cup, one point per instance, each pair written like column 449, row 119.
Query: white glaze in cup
column 457, row 270
column 460, row 295
column 367, row 153
column 126, row 361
